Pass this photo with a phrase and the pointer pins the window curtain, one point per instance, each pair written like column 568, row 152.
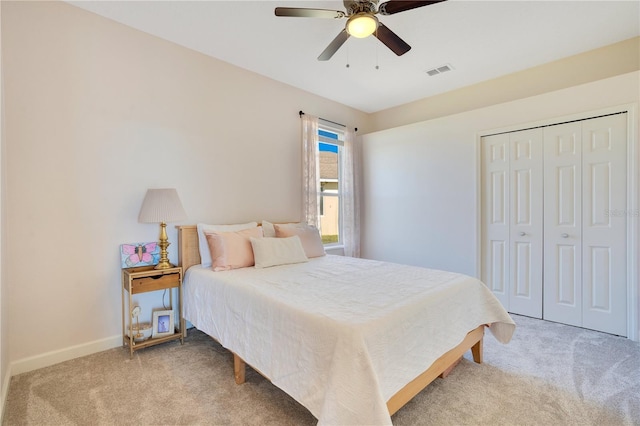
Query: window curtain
column 310, row 171
column 349, row 190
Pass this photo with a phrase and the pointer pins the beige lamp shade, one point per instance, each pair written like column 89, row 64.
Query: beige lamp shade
column 161, row 205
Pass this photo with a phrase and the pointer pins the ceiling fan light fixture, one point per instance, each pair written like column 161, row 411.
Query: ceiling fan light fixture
column 362, row 25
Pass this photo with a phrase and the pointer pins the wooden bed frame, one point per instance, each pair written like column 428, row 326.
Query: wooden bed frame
column 189, row 255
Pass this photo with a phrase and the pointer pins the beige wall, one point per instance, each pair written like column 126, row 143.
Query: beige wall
column 609, row 61
column 4, row 287
column 96, row 113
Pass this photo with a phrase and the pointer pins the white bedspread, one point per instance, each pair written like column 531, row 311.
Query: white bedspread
column 338, row 334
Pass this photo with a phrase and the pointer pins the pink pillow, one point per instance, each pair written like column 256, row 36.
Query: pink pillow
column 309, row 236
column 232, row 250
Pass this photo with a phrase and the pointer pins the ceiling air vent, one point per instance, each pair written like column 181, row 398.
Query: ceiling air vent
column 439, row 70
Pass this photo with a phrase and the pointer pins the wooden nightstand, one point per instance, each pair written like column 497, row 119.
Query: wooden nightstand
column 144, row 279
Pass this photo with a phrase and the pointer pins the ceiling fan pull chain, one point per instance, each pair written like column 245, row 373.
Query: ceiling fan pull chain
column 377, row 67
column 347, row 55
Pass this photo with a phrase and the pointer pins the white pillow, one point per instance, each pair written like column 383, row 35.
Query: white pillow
column 268, row 230
column 205, row 254
column 277, row 251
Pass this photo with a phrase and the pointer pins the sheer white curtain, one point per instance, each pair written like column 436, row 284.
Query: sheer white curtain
column 310, row 170
column 349, row 190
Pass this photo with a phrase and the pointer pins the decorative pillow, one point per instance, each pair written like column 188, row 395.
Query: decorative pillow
column 203, row 246
column 269, row 231
column 232, row 250
column 309, row 236
column 277, row 251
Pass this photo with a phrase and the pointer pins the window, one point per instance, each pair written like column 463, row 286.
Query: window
column 330, row 142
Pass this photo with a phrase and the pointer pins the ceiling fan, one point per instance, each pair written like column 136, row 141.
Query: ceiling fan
column 361, row 21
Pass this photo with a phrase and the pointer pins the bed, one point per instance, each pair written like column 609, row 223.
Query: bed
column 331, row 334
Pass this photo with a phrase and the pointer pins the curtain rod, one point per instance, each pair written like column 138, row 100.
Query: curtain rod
column 301, row 113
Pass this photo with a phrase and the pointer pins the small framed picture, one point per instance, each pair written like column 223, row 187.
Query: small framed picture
column 139, row 254
column 163, row 324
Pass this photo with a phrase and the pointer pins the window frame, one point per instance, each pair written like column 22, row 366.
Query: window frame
column 339, row 142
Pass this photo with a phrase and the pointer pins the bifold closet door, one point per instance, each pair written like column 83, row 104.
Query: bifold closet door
column 563, row 223
column 495, row 215
column 604, row 224
column 512, row 219
column 525, row 227
column 585, row 198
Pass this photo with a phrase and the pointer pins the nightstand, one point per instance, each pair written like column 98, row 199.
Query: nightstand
column 145, row 279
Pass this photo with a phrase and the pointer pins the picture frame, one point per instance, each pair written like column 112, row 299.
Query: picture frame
column 139, row 254
column 163, row 323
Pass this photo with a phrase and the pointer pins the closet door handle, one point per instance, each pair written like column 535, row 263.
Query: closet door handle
column 565, row 235
column 522, row 234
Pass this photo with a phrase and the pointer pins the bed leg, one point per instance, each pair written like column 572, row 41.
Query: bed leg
column 446, row 372
column 476, row 351
column 238, row 369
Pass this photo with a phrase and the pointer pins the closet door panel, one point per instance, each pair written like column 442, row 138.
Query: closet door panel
column 568, row 265
column 562, row 300
column 525, row 247
column 604, row 224
column 495, row 215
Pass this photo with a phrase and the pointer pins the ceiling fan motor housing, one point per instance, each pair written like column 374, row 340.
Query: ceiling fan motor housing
column 365, row 6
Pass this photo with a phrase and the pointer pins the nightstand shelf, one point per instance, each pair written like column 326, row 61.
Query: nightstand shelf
column 142, row 280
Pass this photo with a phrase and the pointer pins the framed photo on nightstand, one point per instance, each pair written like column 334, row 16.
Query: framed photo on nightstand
column 163, row 324
column 139, row 254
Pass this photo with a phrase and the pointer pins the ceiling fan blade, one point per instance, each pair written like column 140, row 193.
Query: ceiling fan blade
column 298, row 12
column 334, row 46
column 397, row 6
column 391, row 40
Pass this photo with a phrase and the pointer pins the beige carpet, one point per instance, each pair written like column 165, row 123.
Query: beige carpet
column 550, row 374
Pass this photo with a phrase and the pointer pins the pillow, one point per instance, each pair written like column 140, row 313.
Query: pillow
column 203, row 246
column 231, row 250
column 277, row 251
column 309, row 236
column 269, row 231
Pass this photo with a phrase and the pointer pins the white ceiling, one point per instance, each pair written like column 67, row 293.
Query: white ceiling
column 481, row 40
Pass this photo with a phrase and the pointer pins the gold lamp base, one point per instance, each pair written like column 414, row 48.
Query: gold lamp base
column 163, row 263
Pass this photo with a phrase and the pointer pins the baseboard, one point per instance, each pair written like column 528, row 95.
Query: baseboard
column 61, row 355
column 5, row 392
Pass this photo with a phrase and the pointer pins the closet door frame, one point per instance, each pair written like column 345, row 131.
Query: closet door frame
column 632, row 211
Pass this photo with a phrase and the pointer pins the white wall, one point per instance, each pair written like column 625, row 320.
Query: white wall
column 96, row 113
column 420, row 186
column 418, row 197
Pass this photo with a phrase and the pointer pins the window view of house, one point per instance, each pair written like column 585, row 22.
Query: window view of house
column 329, row 198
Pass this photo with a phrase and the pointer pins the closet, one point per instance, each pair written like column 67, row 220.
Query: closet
column 554, row 232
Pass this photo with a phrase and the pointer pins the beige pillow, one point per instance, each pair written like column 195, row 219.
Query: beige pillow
column 269, row 231
column 277, row 251
column 203, row 245
column 232, row 250
column 309, row 236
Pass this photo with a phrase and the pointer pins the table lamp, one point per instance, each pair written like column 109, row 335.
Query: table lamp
column 161, row 206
